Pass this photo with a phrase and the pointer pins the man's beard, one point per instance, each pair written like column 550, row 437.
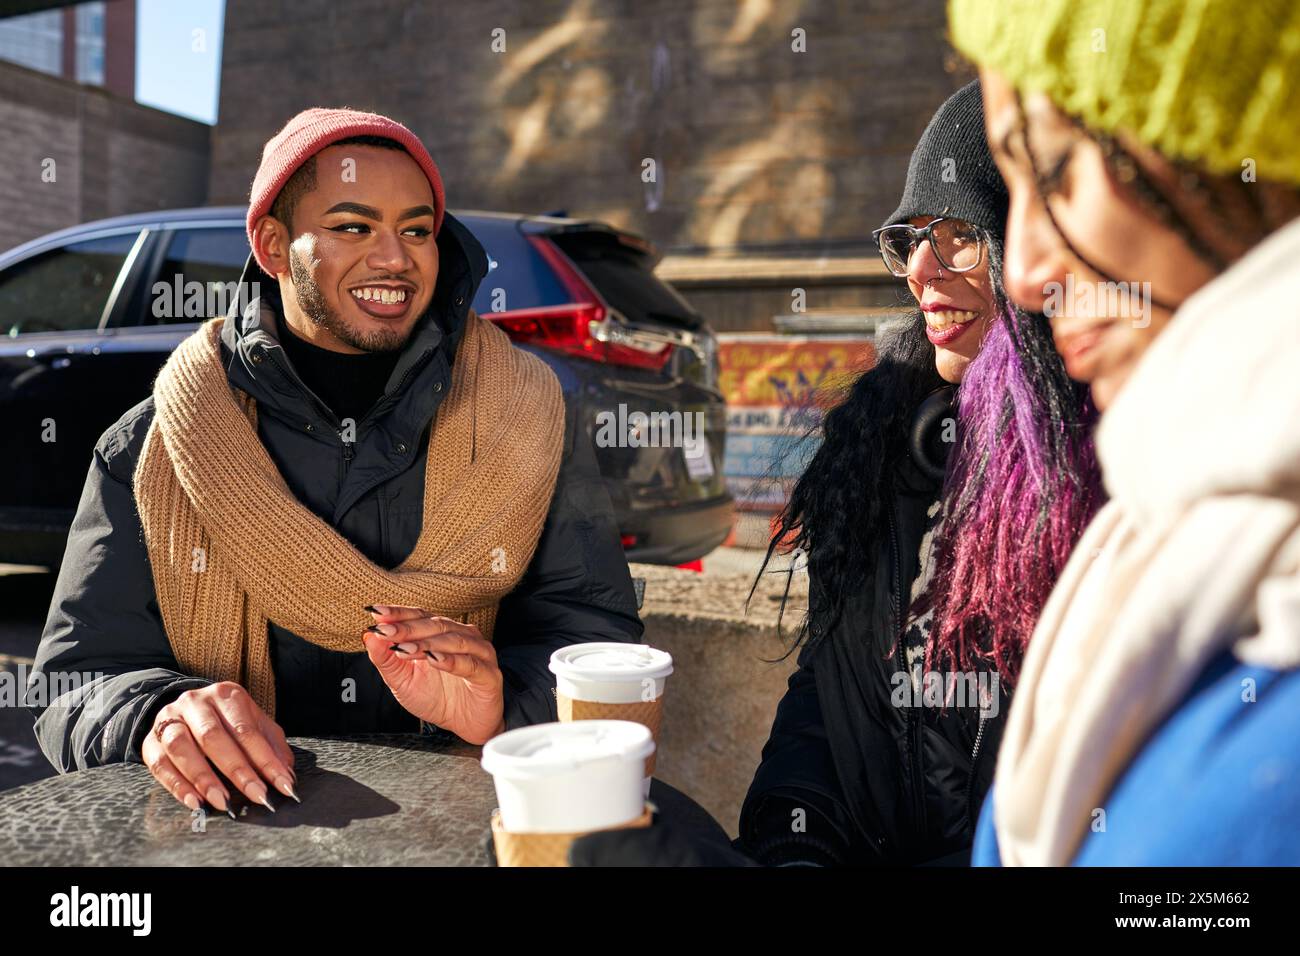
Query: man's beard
column 313, row 305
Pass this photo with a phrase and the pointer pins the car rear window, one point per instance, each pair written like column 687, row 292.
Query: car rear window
column 518, row 277
column 206, row 255
column 199, row 276
column 624, row 276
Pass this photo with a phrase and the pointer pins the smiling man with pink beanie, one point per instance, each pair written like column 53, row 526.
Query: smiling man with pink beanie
column 349, row 506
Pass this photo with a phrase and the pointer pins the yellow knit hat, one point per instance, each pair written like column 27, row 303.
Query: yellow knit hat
column 1211, row 82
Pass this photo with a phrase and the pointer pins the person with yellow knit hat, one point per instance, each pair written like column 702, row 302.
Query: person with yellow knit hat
column 1149, row 150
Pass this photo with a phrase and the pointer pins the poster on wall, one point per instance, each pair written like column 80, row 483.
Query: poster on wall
column 777, row 387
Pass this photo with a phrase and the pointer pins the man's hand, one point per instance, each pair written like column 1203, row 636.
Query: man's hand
column 441, row 670
column 219, row 725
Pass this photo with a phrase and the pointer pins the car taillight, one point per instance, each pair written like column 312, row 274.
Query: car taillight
column 562, row 327
column 581, row 326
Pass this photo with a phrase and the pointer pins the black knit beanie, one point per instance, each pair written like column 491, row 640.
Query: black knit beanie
column 951, row 172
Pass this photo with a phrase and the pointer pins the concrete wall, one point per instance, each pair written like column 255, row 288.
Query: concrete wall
column 718, row 706
column 756, row 145
column 111, row 155
column 729, row 672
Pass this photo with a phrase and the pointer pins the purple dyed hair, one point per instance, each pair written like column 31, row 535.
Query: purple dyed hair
column 1021, row 485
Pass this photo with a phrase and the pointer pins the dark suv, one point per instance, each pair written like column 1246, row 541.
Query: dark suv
column 81, row 341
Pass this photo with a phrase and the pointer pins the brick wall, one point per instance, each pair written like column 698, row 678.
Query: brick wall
column 111, row 155
column 757, row 146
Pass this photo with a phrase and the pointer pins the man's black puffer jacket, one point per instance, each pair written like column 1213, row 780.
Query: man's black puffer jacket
column 850, row 774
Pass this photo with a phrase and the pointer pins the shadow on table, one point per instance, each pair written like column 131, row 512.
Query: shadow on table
column 329, row 799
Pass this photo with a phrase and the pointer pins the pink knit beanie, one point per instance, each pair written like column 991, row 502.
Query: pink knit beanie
column 311, row 131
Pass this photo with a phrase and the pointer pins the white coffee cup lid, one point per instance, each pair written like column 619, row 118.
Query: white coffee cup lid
column 543, row 750
column 611, row 661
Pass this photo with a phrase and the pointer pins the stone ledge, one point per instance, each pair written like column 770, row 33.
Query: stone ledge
column 728, row 676
column 718, row 707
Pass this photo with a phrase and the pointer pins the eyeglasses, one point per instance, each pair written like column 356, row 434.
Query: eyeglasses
column 956, row 244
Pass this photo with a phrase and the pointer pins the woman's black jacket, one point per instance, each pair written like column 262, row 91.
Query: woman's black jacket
column 852, row 774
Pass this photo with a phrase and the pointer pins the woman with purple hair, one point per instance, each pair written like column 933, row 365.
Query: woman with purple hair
column 935, row 525
column 927, row 572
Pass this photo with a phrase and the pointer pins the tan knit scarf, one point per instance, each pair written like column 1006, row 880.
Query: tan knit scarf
column 231, row 547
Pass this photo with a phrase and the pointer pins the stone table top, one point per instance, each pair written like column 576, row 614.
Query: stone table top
column 377, row 800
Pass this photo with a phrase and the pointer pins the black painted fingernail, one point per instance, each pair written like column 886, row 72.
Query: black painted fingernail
column 371, row 609
column 373, row 629
column 396, row 647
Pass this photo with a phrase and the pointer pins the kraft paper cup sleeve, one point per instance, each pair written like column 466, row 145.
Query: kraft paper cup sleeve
column 545, row 849
column 648, row 713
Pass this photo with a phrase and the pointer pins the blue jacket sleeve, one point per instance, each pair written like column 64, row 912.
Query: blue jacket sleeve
column 985, row 850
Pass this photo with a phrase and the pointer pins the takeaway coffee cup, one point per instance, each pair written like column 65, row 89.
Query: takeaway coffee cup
column 555, row 782
column 612, row 681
